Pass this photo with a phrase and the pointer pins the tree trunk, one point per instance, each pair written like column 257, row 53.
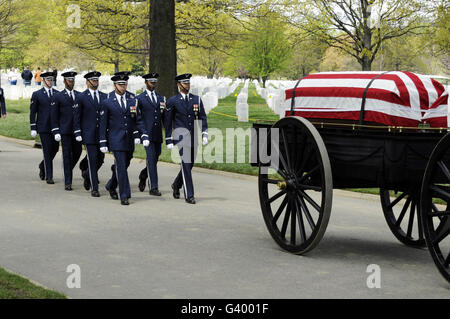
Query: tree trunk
column 163, row 50
column 366, row 63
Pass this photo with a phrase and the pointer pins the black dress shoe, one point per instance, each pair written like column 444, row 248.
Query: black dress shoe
column 112, row 193
column 142, row 184
column 95, row 194
column 41, row 172
column 190, row 200
column 68, row 187
column 124, row 202
column 50, row 181
column 87, row 181
column 176, row 191
column 155, row 192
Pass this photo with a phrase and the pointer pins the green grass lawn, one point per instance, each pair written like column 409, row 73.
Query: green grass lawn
column 16, row 287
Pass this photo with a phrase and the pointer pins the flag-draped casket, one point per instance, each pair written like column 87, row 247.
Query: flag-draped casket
column 393, row 98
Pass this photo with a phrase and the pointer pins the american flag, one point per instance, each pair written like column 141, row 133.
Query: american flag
column 394, row 98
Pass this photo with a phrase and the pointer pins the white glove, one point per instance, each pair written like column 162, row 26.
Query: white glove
column 137, row 141
column 33, row 133
column 57, row 137
column 170, row 146
column 78, row 138
column 104, row 149
column 205, row 140
column 146, row 143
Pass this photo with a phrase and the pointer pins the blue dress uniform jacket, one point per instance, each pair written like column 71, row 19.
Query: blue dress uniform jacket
column 150, row 122
column 117, row 125
column 40, row 106
column 128, row 95
column 2, row 103
column 149, row 117
column 87, row 117
column 179, row 114
column 62, row 123
column 62, row 112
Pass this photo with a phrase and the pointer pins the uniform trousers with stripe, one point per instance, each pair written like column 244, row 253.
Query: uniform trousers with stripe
column 153, row 152
column 71, row 151
column 184, row 177
column 120, row 174
column 91, row 163
column 49, row 147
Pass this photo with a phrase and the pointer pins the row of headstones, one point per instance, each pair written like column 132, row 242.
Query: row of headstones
column 274, row 94
column 242, row 103
column 211, row 90
column 15, row 92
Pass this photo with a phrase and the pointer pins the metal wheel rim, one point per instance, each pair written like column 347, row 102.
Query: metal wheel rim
column 292, row 196
column 435, row 235
column 405, row 224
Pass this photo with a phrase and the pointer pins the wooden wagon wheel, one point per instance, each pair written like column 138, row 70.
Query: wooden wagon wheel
column 435, row 206
column 402, row 216
column 296, row 205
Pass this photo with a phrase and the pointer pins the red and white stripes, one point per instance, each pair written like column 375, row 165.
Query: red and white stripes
column 394, row 98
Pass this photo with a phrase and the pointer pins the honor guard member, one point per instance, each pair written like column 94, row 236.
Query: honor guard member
column 183, row 111
column 128, row 95
column 40, row 108
column 62, row 126
column 149, row 121
column 86, row 124
column 117, row 125
column 2, row 104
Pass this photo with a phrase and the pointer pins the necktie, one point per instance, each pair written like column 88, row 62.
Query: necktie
column 122, row 102
column 72, row 95
column 153, row 98
column 50, row 93
column 95, row 98
column 187, row 99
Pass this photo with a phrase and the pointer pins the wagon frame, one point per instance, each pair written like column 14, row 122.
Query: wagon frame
column 315, row 157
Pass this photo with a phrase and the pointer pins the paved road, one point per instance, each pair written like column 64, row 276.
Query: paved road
column 219, row 248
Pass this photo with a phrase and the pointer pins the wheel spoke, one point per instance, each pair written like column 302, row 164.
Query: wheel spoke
column 307, row 213
column 279, row 211
column 310, row 187
column 444, row 169
column 300, row 152
column 411, row 219
column 312, row 171
column 293, row 228
column 276, row 196
column 300, row 222
column 399, row 198
column 447, row 261
column 304, row 161
column 420, row 225
column 444, row 232
column 288, row 158
column 286, row 220
column 440, row 193
column 438, row 213
column 271, row 181
column 281, row 157
column 310, row 200
column 403, row 212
